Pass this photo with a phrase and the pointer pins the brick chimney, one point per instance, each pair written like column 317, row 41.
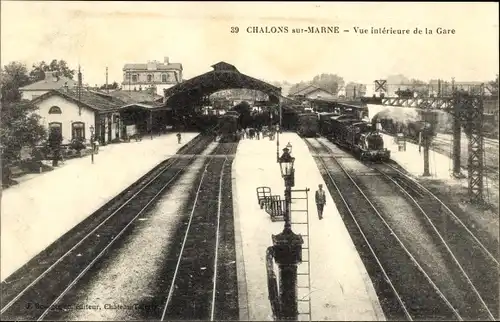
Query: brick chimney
column 165, row 60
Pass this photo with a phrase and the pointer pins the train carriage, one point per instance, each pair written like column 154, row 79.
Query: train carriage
column 307, row 124
column 336, row 128
column 228, row 127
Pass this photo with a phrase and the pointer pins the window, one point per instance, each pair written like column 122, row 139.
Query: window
column 55, row 127
column 164, row 78
column 127, row 76
column 55, row 110
column 78, row 130
column 134, row 78
column 150, row 78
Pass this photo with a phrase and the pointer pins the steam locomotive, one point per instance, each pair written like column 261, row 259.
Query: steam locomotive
column 356, row 135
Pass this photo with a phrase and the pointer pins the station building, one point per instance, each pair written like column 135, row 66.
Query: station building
column 73, row 111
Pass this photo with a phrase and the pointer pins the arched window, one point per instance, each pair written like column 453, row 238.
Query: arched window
column 150, row 78
column 55, row 110
column 164, row 78
column 78, row 130
column 134, row 78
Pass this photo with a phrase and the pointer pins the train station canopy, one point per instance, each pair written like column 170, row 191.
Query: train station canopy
column 224, row 76
column 142, row 107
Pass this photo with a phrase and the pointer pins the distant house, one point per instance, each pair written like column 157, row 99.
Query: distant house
column 73, row 114
column 152, row 74
column 313, row 92
column 51, row 81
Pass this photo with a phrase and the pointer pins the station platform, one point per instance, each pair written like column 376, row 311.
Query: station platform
column 340, row 286
column 38, row 211
column 412, row 159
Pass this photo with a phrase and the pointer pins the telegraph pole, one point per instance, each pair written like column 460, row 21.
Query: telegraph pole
column 457, row 129
column 107, row 89
column 426, row 132
column 129, row 80
column 79, row 90
column 152, row 104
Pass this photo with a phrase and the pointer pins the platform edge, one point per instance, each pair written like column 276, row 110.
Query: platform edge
column 240, row 259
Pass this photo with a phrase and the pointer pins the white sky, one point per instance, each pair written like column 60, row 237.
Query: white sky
column 100, row 34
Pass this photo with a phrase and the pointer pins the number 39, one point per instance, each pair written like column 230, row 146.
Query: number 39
column 235, row 30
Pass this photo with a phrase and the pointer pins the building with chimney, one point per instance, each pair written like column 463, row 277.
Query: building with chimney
column 52, row 81
column 139, row 77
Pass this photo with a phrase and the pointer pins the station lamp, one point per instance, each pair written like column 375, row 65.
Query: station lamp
column 286, row 165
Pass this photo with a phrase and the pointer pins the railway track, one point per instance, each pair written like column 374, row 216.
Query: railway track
column 443, row 144
column 53, row 274
column 407, row 286
column 195, row 291
column 477, row 261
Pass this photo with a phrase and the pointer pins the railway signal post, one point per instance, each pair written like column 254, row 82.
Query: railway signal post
column 287, row 247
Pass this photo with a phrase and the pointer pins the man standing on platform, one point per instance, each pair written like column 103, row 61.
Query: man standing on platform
column 320, row 200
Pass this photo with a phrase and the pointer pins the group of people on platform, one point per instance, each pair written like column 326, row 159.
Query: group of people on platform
column 256, row 133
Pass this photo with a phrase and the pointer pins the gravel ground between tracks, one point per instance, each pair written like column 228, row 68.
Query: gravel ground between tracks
column 413, row 231
column 121, row 290
column 124, row 283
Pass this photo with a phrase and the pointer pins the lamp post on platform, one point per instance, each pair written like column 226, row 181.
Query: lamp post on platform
column 278, row 129
column 277, row 143
column 287, row 245
column 92, row 139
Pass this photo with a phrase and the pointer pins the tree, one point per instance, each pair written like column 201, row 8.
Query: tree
column 39, row 69
column 54, row 143
column 297, row 87
column 19, row 126
column 329, row 82
column 14, row 76
column 114, row 85
column 494, row 87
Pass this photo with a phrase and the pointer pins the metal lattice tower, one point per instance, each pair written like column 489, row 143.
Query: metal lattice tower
column 470, row 111
column 474, row 125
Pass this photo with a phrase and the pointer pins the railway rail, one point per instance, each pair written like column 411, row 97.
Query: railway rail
column 53, row 273
column 442, row 144
column 477, row 262
column 377, row 234
column 194, row 291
